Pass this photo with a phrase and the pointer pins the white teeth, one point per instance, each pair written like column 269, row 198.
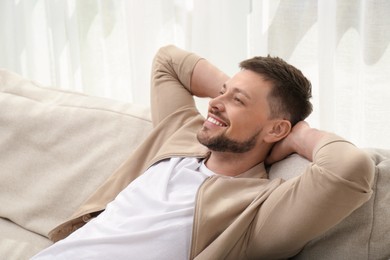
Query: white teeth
column 215, row 122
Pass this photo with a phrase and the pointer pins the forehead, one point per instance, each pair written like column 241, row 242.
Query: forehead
column 252, row 83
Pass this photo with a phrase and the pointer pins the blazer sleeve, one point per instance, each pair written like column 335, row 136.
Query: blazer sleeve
column 337, row 182
column 170, row 82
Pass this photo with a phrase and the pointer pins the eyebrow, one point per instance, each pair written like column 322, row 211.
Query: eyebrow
column 237, row 90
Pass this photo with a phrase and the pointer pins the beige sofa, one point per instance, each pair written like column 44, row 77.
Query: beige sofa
column 58, row 146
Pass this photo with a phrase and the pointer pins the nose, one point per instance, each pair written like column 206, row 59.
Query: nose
column 216, row 104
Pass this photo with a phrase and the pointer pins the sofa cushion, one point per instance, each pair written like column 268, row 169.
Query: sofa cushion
column 57, row 146
column 365, row 234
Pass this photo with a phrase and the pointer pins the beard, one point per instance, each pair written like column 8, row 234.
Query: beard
column 222, row 143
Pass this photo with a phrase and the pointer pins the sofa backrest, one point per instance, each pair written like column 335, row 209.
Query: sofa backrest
column 57, row 147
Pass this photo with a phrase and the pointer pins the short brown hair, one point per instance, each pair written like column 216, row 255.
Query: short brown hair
column 291, row 92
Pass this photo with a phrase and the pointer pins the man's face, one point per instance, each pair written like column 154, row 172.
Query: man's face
column 237, row 116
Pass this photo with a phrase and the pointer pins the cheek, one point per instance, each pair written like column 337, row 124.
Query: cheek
column 243, row 125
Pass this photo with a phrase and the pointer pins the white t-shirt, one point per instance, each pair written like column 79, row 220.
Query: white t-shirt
column 152, row 218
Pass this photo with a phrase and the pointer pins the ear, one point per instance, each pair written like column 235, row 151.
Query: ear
column 277, row 130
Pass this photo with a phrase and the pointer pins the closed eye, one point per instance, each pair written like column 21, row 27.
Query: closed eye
column 238, row 100
column 223, row 90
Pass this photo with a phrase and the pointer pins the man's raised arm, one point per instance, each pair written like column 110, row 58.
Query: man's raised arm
column 177, row 75
column 337, row 182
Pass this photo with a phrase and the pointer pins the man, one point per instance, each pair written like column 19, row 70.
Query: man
column 202, row 190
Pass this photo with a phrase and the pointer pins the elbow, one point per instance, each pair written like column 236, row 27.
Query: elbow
column 161, row 58
column 349, row 163
column 362, row 170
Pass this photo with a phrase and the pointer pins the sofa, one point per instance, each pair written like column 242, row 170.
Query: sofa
column 58, row 146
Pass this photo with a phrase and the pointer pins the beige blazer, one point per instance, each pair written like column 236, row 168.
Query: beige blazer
column 245, row 217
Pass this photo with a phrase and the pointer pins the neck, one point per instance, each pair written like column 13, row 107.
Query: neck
column 232, row 164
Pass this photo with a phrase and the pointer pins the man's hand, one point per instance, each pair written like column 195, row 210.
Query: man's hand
column 207, row 80
column 301, row 140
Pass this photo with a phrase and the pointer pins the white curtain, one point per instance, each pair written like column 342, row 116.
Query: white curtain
column 105, row 48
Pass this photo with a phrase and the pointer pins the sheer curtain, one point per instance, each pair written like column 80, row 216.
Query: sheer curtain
column 105, row 48
column 343, row 46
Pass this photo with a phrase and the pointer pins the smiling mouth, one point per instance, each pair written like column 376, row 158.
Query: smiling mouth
column 216, row 122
